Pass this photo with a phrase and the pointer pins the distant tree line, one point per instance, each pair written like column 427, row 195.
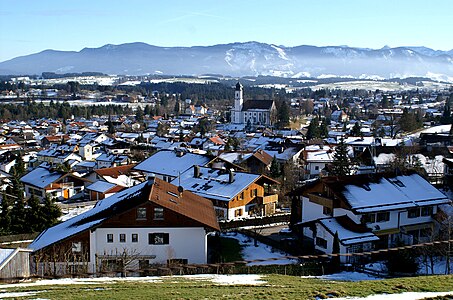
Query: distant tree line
column 36, row 110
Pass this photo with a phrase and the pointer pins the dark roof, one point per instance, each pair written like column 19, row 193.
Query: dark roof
column 115, row 171
column 263, row 156
column 238, row 86
column 257, row 104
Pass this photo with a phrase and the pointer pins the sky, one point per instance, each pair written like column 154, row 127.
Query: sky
column 30, row 26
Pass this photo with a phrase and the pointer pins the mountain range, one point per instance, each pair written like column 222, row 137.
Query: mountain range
column 241, row 59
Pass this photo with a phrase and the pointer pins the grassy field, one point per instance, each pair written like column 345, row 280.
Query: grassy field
column 274, row 287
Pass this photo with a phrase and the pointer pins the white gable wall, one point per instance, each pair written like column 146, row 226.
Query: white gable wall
column 184, row 243
column 311, row 211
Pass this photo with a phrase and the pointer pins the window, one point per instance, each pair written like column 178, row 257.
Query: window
column 382, row 216
column 122, row 237
column 327, row 210
column 321, row 242
column 134, row 238
column 241, row 196
column 316, row 168
column 141, row 213
column 253, row 193
column 238, row 212
column 158, row 213
column 413, row 213
column 77, row 247
column 158, row 238
column 110, row 238
column 427, row 211
column 369, row 218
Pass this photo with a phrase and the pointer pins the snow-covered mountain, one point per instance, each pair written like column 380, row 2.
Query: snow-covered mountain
column 240, row 59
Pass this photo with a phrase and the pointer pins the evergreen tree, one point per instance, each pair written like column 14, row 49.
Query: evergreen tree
column 356, row 130
column 5, row 215
column 324, row 130
column 385, row 102
column 34, row 215
column 139, row 115
column 111, row 128
column 227, row 147
column 313, row 131
column 275, row 168
column 147, row 110
column 335, row 262
column 341, row 165
column 283, row 115
column 177, row 108
column 50, row 211
column 19, row 223
column 446, row 115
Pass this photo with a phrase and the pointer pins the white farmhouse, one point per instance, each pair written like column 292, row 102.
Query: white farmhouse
column 151, row 223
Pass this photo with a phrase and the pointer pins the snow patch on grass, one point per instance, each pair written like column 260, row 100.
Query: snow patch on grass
column 402, row 296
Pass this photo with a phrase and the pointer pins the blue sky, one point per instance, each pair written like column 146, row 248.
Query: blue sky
column 29, row 26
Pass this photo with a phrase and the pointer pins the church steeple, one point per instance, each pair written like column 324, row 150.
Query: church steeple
column 238, row 102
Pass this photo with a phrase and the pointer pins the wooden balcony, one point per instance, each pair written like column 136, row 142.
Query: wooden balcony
column 268, row 199
column 320, row 199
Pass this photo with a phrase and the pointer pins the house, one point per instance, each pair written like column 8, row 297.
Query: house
column 59, row 154
column 258, row 162
column 111, row 160
column 252, row 112
column 315, row 159
column 102, row 189
column 124, row 175
column 339, row 116
column 45, row 181
column 235, row 195
column 393, row 208
column 167, row 164
column 53, row 139
column 14, row 263
column 147, row 224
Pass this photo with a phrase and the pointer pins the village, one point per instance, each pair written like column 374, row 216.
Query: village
column 159, row 185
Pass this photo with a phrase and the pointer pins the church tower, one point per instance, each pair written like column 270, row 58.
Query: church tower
column 238, row 101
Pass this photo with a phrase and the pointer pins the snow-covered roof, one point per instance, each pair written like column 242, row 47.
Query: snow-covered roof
column 83, row 221
column 235, row 157
column 101, row 186
column 398, row 192
column 4, row 254
column 170, row 163
column 320, row 156
column 384, row 158
column 346, row 236
column 40, row 177
column 214, row 183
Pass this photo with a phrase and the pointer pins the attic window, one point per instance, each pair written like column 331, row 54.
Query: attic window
column 207, row 187
column 366, row 187
column 398, row 183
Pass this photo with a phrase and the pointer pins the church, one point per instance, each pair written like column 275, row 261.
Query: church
column 252, row 112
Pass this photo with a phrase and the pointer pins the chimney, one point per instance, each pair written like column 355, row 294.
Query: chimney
column 196, row 171
column 230, row 176
column 151, row 178
column 180, row 191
